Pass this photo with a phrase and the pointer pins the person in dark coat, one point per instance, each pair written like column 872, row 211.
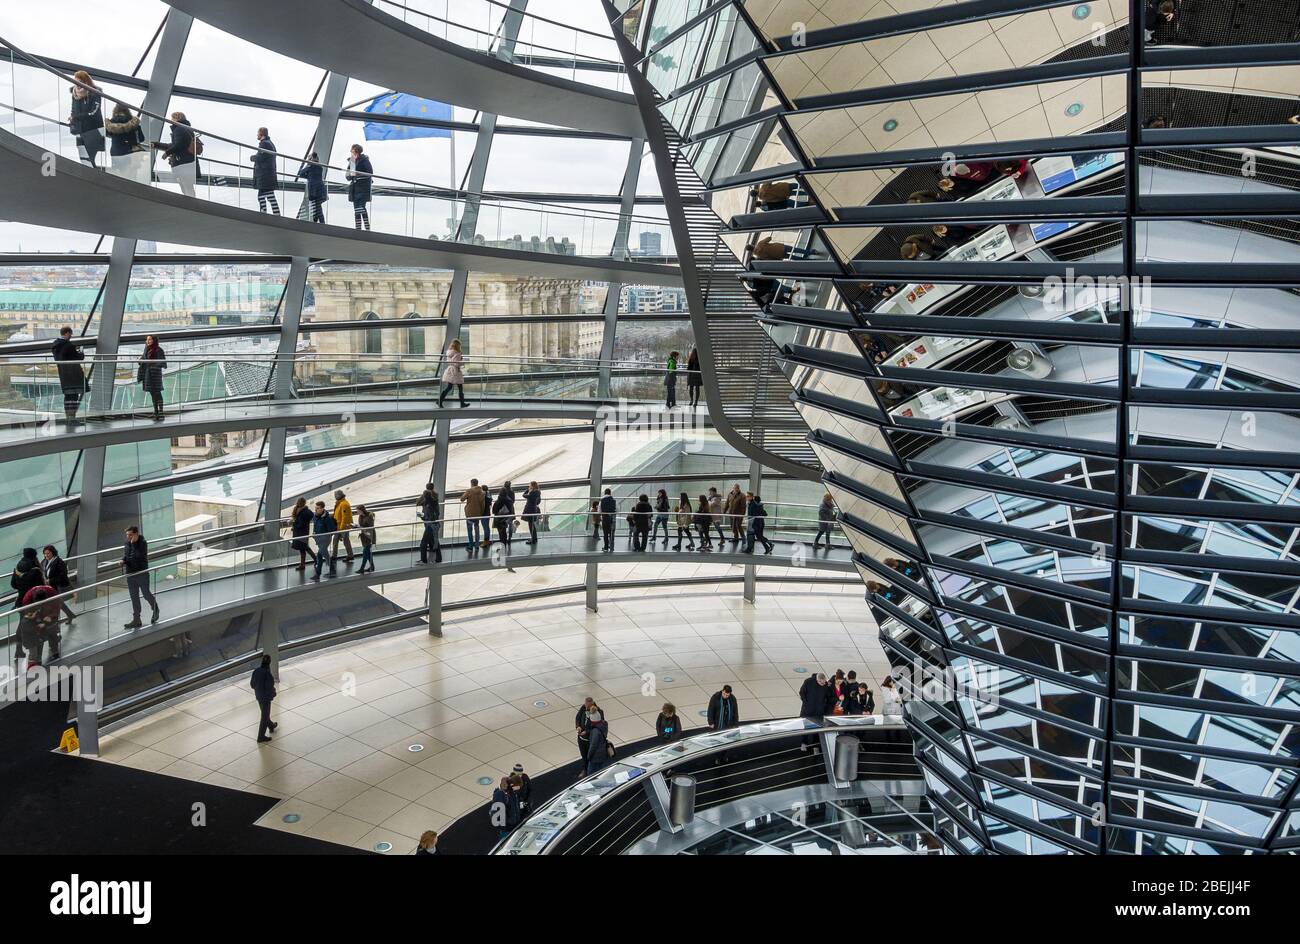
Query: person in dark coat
column 860, row 701
column 668, row 726
column 87, row 119
column 55, row 570
column 313, row 173
column 757, row 521
column 265, row 178
column 598, row 746
column 503, row 513
column 182, row 152
column 522, row 787
column 663, row 510
column 72, row 379
column 503, row 811
column 358, row 176
column 135, row 563
column 724, row 711
column 39, row 623
column 608, row 509
column 642, row 514
column 149, row 374
column 429, row 510
column 263, row 683
column 582, row 727
column 693, row 378
column 825, row 520
column 26, row 575
column 127, row 139
column 300, row 528
column 813, row 697
column 532, row 510
column 323, row 527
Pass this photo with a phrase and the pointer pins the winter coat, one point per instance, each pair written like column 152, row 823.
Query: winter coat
column 302, row 522
column 668, row 729
column 135, row 555
column 178, row 151
column 475, row 503
column 359, row 171
column 453, row 373
column 263, row 683
column 87, row 114
column 27, row 574
column 503, row 509
column 127, row 136
column 723, row 713
column 693, row 378
column 149, row 373
column 68, row 356
column 532, row 502
column 314, row 175
column 343, row 514
column 366, row 523
column 641, row 515
column 56, row 573
column 812, row 699
column 684, row 517
column 264, row 176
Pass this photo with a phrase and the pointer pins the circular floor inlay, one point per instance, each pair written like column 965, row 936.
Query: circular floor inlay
column 669, row 678
column 890, row 125
column 800, row 669
column 415, row 748
column 484, row 781
column 1074, row 109
column 291, row 817
column 1082, row 11
column 539, row 704
column 383, row 847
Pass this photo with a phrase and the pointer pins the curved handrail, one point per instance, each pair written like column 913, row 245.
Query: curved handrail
column 540, row 833
column 204, row 540
column 495, row 37
column 209, row 567
column 481, row 199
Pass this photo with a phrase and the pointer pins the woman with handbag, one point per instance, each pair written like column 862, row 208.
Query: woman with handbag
column 129, row 156
column 366, row 522
column 149, row 374
column 300, row 530
column 87, row 119
column 182, row 152
column 599, row 750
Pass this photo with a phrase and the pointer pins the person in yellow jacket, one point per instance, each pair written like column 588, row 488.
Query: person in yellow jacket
column 342, row 524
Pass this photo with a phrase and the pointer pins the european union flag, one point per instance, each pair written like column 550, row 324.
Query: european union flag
column 406, row 106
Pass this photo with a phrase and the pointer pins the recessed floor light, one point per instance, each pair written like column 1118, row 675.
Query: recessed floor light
column 290, row 817
column 890, row 125
column 1074, row 109
column 669, row 678
column 484, row 781
column 1082, row 11
column 800, row 669
column 383, row 847
column 539, row 704
column 415, row 748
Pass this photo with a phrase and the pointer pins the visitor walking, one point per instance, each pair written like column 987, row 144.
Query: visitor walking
column 182, row 153
column 300, row 530
column 263, row 684
column 135, row 564
column 358, row 175
column 429, row 514
column 474, row 501
column 503, row 514
column 715, row 513
column 825, row 520
column 149, row 373
column 702, row 523
column 55, row 571
column 757, row 518
column 322, row 526
column 684, row 516
column 693, row 378
column 532, row 510
column 312, row 173
column 128, row 153
column 642, row 513
column 265, row 178
column 87, row 119
column 72, row 379
column 342, row 527
column 368, row 537
column 670, row 381
column 453, row 374
column 662, row 509
column 735, row 506
column 608, row 509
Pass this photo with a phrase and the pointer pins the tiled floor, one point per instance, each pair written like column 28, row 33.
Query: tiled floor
column 499, row 688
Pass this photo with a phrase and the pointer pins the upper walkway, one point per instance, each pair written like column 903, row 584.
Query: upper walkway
column 207, row 584
column 66, row 194
column 369, row 42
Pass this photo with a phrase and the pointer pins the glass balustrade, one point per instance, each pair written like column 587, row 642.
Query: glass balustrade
column 34, row 99
column 225, row 570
